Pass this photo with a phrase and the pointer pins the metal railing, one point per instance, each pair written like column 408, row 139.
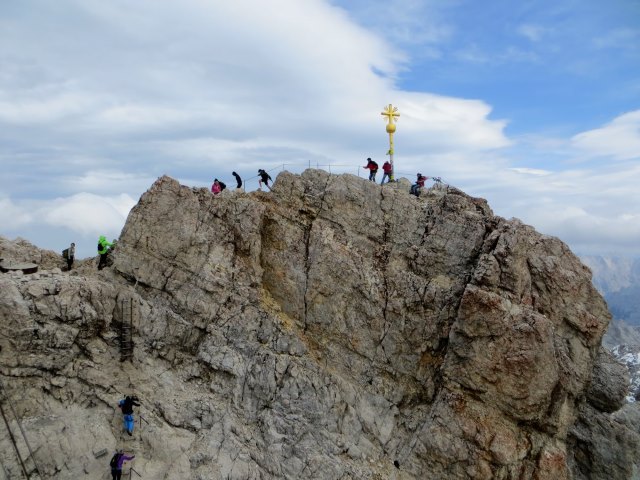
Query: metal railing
column 331, row 168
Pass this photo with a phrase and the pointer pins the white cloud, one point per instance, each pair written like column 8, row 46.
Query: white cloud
column 83, row 213
column 173, row 74
column 532, row 32
column 456, row 124
column 619, row 139
column 46, row 107
column 198, row 88
column 532, row 171
column 87, row 213
column 588, row 231
column 13, row 216
column 106, row 181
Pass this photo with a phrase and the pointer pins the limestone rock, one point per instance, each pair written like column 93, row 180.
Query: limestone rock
column 331, row 328
column 609, row 383
column 20, row 251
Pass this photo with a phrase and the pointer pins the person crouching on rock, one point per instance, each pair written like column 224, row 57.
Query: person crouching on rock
column 216, row 188
column 116, row 464
column 126, row 405
column 417, row 187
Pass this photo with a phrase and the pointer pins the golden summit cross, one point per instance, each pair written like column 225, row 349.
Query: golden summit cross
column 392, row 115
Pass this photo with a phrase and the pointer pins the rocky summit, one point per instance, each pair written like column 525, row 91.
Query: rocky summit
column 329, row 329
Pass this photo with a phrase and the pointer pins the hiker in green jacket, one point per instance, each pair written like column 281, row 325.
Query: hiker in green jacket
column 103, row 250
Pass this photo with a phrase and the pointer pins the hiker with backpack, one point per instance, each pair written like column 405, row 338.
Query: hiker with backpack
column 126, row 405
column 69, row 255
column 387, row 172
column 373, row 169
column 103, row 250
column 417, row 187
column 264, row 178
column 217, row 186
column 116, row 463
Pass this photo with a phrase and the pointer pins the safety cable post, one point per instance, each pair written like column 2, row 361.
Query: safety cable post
column 330, row 166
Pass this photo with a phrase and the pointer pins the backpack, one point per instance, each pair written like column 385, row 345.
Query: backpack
column 65, row 253
column 374, row 165
column 114, row 461
column 222, row 185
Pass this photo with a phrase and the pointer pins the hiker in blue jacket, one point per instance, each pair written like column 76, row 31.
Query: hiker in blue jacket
column 126, row 405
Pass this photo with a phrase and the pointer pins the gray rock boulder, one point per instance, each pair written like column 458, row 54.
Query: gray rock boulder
column 331, row 329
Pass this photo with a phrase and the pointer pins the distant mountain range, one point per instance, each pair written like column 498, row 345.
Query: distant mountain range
column 618, row 279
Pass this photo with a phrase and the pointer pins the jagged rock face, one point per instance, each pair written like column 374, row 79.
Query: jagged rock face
column 21, row 251
column 326, row 329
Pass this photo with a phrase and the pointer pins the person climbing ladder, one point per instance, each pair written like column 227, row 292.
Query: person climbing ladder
column 126, row 405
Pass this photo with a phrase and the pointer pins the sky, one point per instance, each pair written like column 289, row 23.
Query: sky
column 533, row 105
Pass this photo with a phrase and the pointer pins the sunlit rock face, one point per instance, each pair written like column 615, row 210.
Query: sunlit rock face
column 331, row 329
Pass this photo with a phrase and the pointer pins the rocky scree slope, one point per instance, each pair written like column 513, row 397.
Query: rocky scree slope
column 329, row 329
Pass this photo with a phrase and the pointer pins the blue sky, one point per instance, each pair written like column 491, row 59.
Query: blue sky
column 534, row 106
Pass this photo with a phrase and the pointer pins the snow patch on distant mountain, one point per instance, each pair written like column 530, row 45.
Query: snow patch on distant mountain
column 618, row 279
column 630, row 356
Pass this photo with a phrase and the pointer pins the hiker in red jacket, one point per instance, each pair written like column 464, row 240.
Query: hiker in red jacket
column 417, row 187
column 216, row 188
column 387, row 172
column 373, row 169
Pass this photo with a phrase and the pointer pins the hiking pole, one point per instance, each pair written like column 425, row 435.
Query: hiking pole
column 133, row 470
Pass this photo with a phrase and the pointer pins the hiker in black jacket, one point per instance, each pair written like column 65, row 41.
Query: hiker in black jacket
column 238, row 180
column 264, row 178
column 126, row 405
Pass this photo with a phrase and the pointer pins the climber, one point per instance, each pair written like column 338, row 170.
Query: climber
column 116, row 464
column 416, row 188
column 238, row 180
column 126, row 405
column 373, row 169
column 387, row 172
column 103, row 250
column 264, row 178
column 216, row 188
